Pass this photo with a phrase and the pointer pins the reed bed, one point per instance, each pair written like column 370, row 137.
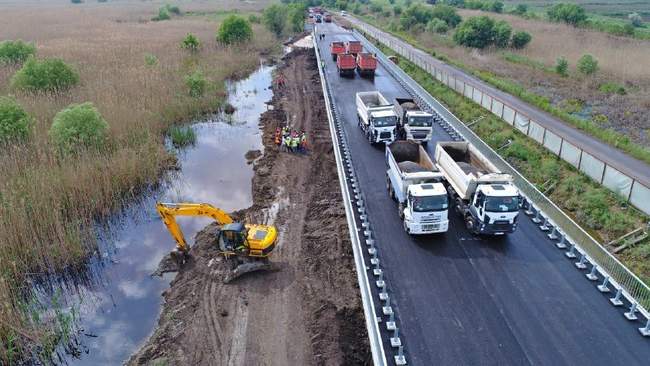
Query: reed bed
column 48, row 203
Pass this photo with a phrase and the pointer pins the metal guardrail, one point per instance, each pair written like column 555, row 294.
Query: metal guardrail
column 564, row 228
column 374, row 334
column 625, row 181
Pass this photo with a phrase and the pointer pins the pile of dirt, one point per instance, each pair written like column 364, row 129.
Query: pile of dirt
column 307, row 313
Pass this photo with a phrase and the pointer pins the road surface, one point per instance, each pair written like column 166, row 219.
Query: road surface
column 462, row 300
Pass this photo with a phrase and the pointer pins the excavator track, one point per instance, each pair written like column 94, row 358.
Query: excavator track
column 242, row 266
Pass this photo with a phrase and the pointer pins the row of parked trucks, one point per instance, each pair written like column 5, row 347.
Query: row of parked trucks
column 461, row 177
column 349, row 57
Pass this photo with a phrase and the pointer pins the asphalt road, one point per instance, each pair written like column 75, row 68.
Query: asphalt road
column 614, row 157
column 462, row 300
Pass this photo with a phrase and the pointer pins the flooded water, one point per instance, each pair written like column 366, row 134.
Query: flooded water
column 120, row 310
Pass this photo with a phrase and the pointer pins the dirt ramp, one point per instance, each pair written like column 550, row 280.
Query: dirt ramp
column 307, row 313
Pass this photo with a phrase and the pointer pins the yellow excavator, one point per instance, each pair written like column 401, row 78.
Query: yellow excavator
column 247, row 245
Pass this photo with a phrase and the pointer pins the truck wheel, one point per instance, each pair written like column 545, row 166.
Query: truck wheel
column 333, row 57
column 458, row 204
column 406, row 228
column 471, row 224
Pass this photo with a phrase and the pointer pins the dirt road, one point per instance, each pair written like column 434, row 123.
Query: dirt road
column 307, row 313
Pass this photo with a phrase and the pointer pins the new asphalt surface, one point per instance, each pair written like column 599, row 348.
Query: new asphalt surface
column 466, row 300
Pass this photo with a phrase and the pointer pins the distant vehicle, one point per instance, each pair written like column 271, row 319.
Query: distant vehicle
column 366, row 64
column 336, row 48
column 328, row 18
column 318, row 18
column 487, row 199
column 413, row 123
column 377, row 118
column 343, row 13
column 346, row 64
column 353, row 47
column 415, row 183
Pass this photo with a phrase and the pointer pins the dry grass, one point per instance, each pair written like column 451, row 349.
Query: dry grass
column 47, row 203
column 624, row 58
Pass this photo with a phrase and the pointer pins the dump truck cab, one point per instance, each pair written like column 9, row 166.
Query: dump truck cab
column 495, row 207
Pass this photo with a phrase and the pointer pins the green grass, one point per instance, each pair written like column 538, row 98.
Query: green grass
column 182, row 135
column 598, row 210
column 523, row 60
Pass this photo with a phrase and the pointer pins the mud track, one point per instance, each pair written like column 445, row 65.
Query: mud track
column 307, row 313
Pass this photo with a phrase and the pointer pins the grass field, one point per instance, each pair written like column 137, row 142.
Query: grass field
column 614, row 8
column 134, row 71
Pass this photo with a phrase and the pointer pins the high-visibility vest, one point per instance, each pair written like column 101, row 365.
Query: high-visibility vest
column 294, row 142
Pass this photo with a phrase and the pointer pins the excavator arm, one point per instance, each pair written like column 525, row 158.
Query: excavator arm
column 169, row 211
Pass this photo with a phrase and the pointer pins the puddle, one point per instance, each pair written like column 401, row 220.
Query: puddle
column 119, row 310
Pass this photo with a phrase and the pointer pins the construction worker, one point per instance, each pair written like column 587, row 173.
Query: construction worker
column 278, row 136
column 287, row 142
column 303, row 142
column 294, row 144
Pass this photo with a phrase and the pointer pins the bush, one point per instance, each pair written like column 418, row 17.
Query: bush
column 174, row 9
column 474, row 4
column 612, row 88
column 50, row 75
column 15, row 52
column 569, row 13
column 635, row 19
column 76, row 1
column 196, row 83
column 182, row 136
column 437, row 26
column 15, row 123
column 587, row 64
column 254, row 19
column 296, row 17
column 520, row 39
column 456, row 3
column 163, row 14
column 375, row 7
column 80, row 126
column 191, row 42
column 415, row 14
column 397, row 10
column 446, row 13
column 520, row 9
column 562, row 66
column 477, row 32
column 494, row 6
column 150, row 60
column 502, row 32
column 274, row 18
column 234, row 29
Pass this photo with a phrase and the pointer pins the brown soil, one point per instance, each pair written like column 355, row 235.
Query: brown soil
column 309, row 311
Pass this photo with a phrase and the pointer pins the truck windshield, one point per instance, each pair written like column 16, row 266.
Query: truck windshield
column 419, row 122
column 502, row 204
column 428, row 204
column 385, row 121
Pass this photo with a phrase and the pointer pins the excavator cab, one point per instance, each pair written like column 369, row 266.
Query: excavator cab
column 233, row 238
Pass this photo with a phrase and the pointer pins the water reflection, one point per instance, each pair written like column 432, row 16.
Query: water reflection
column 120, row 310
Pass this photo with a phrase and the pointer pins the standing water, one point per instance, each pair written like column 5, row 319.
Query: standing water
column 118, row 313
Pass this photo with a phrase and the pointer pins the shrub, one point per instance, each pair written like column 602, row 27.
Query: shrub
column 150, row 60
column 397, row 10
column 191, row 42
column 375, row 7
column 296, row 17
column 341, row 4
column 477, row 32
column 474, row 4
column 50, row 75
column 196, row 83
column 274, row 18
column 635, row 19
column 587, row 64
column 569, row 13
column 612, row 88
column 174, row 9
column 15, row 123
column 520, row 39
column 182, row 136
column 562, row 66
column 76, row 1
column 80, row 126
column 521, row 9
column 15, row 52
column 254, row 19
column 502, row 32
column 163, row 14
column 446, row 13
column 234, row 29
column 456, row 3
column 436, row 25
column 415, row 14
column 494, row 6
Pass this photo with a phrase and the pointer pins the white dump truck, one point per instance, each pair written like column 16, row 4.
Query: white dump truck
column 413, row 123
column 487, row 199
column 414, row 182
column 376, row 116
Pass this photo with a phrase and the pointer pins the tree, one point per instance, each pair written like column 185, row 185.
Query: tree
column 477, row 32
column 562, row 66
column 234, row 29
column 436, row 25
column 494, row 6
column 16, row 52
column 569, row 13
column 15, row 123
column 274, row 18
column 635, row 19
column 446, row 13
column 502, row 31
column 50, row 75
column 191, row 42
column 297, row 17
column 397, row 10
column 341, row 4
column 163, row 14
column 78, row 127
column 587, row 64
column 455, row 3
column 521, row 9
column 415, row 14
column 520, row 39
